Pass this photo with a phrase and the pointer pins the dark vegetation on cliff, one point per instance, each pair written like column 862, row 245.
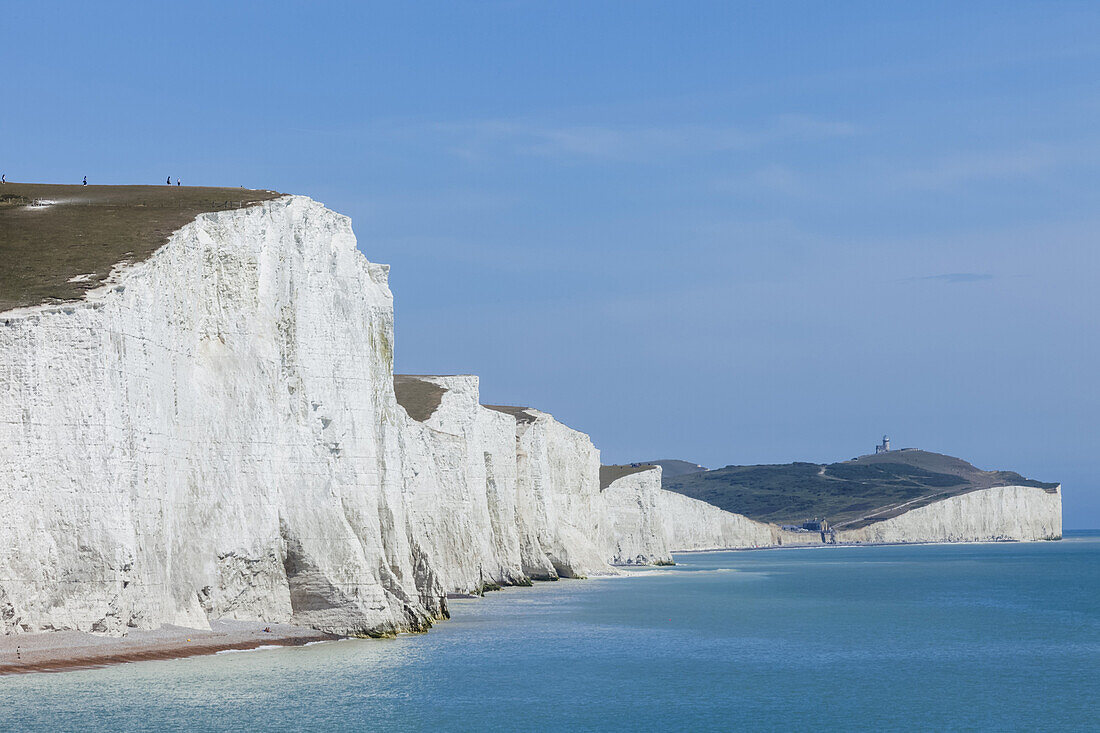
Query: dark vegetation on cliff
column 51, row 234
column 849, row 494
column 610, row 474
column 418, row 396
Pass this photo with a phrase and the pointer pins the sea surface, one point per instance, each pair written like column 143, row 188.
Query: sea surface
column 937, row 637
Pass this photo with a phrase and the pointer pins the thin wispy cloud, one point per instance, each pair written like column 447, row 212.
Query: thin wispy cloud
column 1008, row 164
column 483, row 138
column 894, row 175
column 954, row 278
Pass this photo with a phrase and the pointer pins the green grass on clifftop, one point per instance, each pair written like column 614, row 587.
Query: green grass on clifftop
column 57, row 242
column 851, row 493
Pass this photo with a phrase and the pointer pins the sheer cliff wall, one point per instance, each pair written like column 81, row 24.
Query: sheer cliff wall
column 212, row 435
column 1020, row 513
column 644, row 524
column 499, row 497
column 215, row 434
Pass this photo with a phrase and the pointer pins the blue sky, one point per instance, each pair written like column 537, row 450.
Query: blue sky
column 726, row 232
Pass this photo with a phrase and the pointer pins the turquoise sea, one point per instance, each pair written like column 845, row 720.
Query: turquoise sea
column 939, row 637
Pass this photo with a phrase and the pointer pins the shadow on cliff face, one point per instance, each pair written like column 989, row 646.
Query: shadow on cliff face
column 311, row 594
column 316, row 602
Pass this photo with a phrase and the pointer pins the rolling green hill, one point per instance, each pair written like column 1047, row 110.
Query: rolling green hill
column 849, row 494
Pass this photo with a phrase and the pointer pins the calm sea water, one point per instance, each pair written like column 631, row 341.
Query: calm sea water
column 979, row 637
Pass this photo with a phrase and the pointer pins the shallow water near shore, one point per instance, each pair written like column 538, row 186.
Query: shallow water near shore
column 996, row 636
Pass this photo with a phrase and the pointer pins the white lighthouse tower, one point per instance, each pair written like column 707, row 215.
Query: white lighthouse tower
column 885, row 447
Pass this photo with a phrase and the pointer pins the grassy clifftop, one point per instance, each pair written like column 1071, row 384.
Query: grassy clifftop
column 57, row 242
column 418, row 396
column 849, row 494
column 611, row 474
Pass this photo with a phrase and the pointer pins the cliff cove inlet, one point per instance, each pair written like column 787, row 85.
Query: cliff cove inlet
column 939, row 637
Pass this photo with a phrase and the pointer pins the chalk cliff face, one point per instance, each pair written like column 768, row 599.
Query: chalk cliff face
column 558, row 489
column 460, row 488
column 643, row 523
column 499, row 496
column 1002, row 513
column 216, row 435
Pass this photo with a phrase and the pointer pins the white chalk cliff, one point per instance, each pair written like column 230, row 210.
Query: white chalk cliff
column 216, row 434
column 644, row 524
column 1022, row 513
column 499, row 495
column 212, row 435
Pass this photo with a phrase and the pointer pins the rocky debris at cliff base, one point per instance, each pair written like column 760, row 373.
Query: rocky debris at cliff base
column 58, row 651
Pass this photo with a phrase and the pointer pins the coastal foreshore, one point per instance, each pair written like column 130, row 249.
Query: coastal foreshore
column 827, row 545
column 60, row 651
